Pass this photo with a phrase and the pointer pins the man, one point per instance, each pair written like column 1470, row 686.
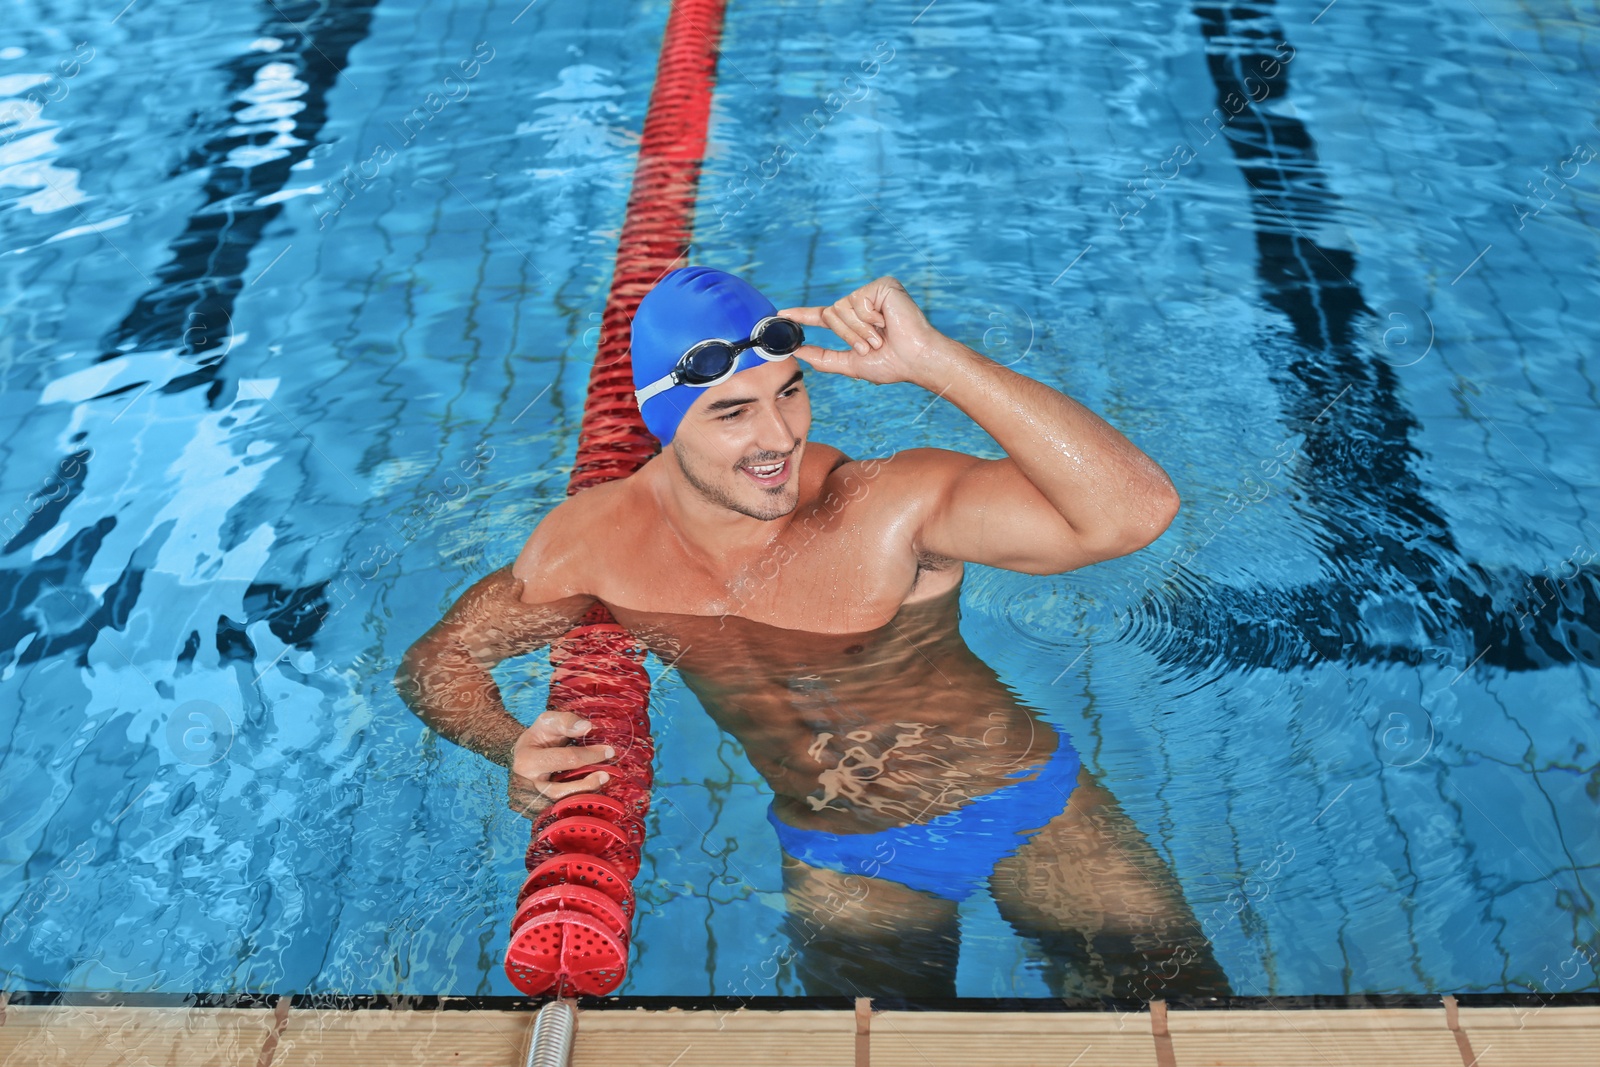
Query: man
column 810, row 601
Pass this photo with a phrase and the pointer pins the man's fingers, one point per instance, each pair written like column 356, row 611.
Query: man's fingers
column 834, row 320
column 859, row 311
column 804, row 316
column 827, row 360
column 859, row 318
column 587, row 784
column 540, row 765
column 539, row 762
column 554, row 727
column 851, row 313
column 529, row 790
column 844, row 315
column 873, row 313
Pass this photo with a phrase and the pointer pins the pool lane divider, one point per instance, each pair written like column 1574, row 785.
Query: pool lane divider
column 570, row 932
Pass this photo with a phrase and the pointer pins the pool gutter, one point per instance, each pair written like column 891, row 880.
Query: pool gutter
column 1477, row 1030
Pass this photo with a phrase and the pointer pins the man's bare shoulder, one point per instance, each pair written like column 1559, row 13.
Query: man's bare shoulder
column 823, row 457
column 907, row 477
column 898, row 492
column 563, row 551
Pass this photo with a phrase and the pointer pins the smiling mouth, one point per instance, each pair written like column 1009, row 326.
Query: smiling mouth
column 767, row 473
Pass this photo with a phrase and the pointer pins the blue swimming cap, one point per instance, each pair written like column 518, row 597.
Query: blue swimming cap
column 690, row 304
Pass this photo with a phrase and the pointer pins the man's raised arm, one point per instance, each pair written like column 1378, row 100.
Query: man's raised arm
column 1072, row 490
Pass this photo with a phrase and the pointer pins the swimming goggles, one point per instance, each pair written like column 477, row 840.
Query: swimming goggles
column 711, row 362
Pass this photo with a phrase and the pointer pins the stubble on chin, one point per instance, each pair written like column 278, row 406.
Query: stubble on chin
column 779, row 500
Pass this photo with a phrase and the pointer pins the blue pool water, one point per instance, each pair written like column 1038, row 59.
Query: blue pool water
column 296, row 339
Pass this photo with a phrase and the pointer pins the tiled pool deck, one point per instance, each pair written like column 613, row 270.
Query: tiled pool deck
column 89, row 1031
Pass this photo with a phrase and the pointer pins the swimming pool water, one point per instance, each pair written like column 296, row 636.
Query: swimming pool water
column 298, row 320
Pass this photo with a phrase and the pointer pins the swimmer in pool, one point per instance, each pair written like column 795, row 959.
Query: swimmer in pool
column 810, row 600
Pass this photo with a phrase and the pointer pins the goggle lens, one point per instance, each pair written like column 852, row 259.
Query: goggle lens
column 779, row 336
column 707, row 362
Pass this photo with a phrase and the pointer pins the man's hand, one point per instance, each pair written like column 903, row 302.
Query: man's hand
column 546, row 748
column 890, row 339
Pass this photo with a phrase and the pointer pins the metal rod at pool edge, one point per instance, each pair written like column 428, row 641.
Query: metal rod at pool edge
column 552, row 1034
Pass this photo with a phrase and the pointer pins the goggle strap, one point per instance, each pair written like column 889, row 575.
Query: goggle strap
column 655, row 388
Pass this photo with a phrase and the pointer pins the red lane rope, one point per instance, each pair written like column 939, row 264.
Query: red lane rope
column 570, row 932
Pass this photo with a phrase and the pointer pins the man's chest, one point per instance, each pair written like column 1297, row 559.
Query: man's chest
column 839, row 571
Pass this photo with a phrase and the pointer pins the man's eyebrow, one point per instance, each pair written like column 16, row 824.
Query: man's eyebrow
column 733, row 402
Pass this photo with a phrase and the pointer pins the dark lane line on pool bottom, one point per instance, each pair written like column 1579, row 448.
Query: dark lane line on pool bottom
column 1382, row 531
column 190, row 307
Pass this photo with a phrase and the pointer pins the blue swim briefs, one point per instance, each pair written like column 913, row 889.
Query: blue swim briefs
column 951, row 855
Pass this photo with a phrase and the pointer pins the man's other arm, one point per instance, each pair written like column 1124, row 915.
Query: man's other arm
column 444, row 676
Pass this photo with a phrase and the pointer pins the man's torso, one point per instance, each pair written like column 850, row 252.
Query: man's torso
column 833, row 653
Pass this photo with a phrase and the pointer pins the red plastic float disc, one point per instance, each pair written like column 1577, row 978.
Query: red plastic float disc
column 631, row 792
column 565, row 951
column 583, row 833
column 574, row 773
column 593, row 804
column 596, row 805
column 616, row 731
column 635, row 762
column 571, row 869
column 579, row 898
column 529, row 980
column 622, row 736
column 618, row 707
column 587, row 836
column 627, row 784
column 624, row 705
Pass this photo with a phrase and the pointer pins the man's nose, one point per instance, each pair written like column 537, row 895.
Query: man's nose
column 772, row 430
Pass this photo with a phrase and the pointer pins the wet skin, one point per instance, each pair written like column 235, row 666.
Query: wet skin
column 814, row 614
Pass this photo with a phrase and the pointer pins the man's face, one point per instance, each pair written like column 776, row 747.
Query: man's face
column 751, row 425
